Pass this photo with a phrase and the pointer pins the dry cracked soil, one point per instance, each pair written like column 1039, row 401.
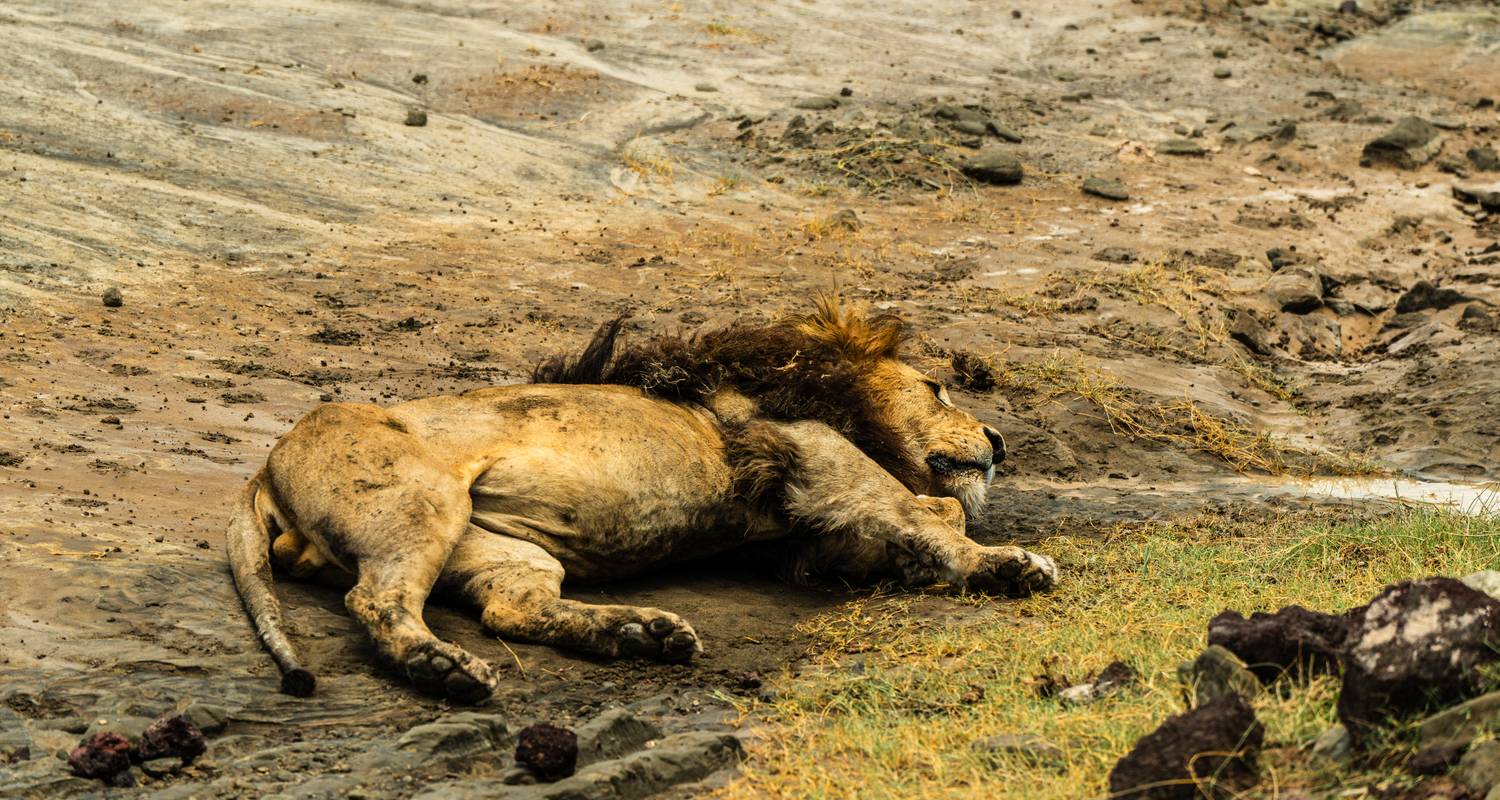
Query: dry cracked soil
column 376, row 200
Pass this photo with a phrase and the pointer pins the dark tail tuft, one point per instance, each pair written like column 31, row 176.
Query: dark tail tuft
column 298, row 683
column 591, row 365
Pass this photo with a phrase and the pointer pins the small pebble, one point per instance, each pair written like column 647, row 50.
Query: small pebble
column 1222, row 73
column 416, row 117
column 113, row 298
column 593, row 45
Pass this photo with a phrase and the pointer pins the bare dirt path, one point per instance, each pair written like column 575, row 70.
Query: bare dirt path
column 246, row 175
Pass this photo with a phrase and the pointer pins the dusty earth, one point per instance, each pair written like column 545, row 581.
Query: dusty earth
column 245, row 175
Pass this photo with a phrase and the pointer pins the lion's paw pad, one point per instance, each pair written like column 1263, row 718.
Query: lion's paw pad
column 445, row 670
column 661, row 637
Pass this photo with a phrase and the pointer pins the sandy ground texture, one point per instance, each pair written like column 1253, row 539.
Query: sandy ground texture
column 380, row 200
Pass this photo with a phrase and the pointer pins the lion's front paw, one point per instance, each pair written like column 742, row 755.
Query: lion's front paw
column 659, row 635
column 1011, row 571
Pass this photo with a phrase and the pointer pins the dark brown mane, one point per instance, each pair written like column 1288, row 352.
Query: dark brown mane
column 811, row 367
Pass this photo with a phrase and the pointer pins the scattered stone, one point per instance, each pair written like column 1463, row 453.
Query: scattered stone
column 1484, row 159
column 1464, row 722
column 1221, row 52
column 1032, row 749
column 113, row 298
column 1344, row 110
column 1113, row 679
column 1424, row 295
column 994, row 166
column 1181, row 147
column 1292, row 641
column 1474, row 319
column 1367, row 297
column 1248, row 331
column 419, row 78
column 1223, row 72
column 172, row 736
column 593, row 45
column 549, row 751
column 1296, row 289
column 1453, row 166
column 206, row 717
column 1215, row 673
column 10, row 459
column 824, row 103
column 843, row 220
column 1435, row 759
column 1115, row 255
column 241, row 397
column 102, row 755
column 971, row 127
column 327, row 335
column 613, row 734
column 447, row 738
column 1209, row 751
column 416, row 117
column 1417, row 645
column 1106, row 188
column 705, row 87
column 1005, row 133
column 1411, row 143
column 1334, row 744
column 1479, row 769
column 1486, row 199
column 129, row 726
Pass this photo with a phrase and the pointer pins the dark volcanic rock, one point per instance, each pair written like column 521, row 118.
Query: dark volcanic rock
column 994, row 166
column 172, row 736
column 113, row 298
column 549, row 751
column 1411, row 143
column 102, row 755
column 1417, row 645
column 416, row 117
column 1424, row 295
column 1207, row 752
column 1293, row 641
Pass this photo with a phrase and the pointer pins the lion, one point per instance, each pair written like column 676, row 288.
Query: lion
column 811, row 433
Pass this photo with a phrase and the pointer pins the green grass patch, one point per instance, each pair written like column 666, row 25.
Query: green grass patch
column 897, row 698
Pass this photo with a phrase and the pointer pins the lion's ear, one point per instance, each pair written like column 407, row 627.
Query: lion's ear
column 851, row 331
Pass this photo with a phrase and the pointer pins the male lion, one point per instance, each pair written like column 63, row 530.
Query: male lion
column 810, row 431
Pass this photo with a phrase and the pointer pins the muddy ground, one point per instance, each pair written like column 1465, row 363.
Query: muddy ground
column 381, row 200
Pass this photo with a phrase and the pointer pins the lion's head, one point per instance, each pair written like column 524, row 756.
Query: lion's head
column 836, row 365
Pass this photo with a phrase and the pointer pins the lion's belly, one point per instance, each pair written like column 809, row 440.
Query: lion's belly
column 632, row 483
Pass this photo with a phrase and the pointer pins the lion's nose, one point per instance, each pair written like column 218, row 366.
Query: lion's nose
column 997, row 444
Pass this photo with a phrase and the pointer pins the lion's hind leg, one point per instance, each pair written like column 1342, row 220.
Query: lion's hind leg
column 370, row 496
column 517, row 587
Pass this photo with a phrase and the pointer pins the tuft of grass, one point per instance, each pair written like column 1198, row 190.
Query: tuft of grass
column 895, row 702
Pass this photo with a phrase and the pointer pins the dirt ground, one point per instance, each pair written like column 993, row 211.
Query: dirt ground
column 252, row 179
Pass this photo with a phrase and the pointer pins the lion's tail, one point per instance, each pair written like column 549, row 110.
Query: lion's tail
column 249, row 542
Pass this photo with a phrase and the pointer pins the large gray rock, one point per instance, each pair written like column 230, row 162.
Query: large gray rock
column 1464, row 722
column 1296, row 289
column 456, row 735
column 675, row 760
column 1411, row 143
column 613, row 734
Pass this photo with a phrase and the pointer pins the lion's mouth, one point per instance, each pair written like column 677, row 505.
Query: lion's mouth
column 949, row 466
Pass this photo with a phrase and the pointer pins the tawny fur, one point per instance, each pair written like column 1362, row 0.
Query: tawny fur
column 811, row 432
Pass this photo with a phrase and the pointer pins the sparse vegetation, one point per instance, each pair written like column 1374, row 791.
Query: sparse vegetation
column 895, row 703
